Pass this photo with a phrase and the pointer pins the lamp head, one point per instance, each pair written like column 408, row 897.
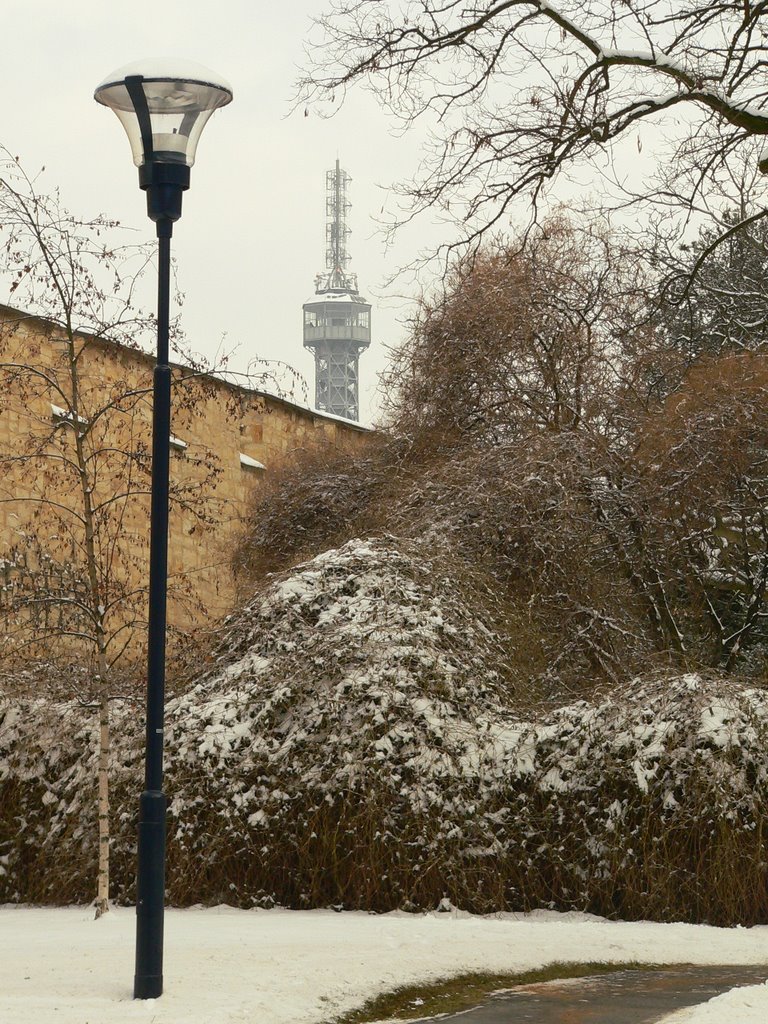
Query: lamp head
column 164, row 106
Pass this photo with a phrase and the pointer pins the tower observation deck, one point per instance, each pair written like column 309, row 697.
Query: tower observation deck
column 337, row 319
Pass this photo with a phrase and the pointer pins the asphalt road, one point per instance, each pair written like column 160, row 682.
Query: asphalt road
column 626, row 997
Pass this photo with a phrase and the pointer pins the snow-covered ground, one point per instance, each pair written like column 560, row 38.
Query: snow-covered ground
column 748, row 1005
column 272, row 966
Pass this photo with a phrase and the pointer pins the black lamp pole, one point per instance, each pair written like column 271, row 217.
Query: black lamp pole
column 164, row 184
column 150, row 879
column 163, row 109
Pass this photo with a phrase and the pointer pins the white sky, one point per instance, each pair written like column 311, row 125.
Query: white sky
column 252, row 236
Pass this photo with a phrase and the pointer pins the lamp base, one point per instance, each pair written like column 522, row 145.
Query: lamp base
column 164, row 184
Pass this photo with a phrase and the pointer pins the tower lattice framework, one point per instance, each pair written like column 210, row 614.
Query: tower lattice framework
column 337, row 320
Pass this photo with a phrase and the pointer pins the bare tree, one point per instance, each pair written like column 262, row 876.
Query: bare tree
column 702, row 472
column 516, row 340
column 519, row 92
column 75, row 468
column 716, row 299
column 620, row 527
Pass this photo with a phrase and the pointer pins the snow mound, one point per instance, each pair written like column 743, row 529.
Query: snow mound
column 357, row 659
column 355, row 694
column 353, row 744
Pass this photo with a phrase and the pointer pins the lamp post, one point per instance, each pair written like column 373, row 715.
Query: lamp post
column 163, row 106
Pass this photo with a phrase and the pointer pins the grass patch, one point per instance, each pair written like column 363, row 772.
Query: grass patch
column 464, row 991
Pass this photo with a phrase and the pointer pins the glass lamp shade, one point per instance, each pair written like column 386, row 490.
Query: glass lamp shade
column 163, row 106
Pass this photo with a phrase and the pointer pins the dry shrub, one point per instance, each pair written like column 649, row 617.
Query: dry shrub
column 524, row 521
column 702, row 469
column 354, row 747
column 48, row 822
column 712, row 435
column 606, row 558
column 310, row 504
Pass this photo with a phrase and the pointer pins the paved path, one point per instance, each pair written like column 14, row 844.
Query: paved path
column 626, row 997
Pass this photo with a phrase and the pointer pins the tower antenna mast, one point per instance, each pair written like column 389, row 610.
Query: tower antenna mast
column 337, row 320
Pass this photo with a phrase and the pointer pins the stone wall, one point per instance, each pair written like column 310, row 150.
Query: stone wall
column 226, row 440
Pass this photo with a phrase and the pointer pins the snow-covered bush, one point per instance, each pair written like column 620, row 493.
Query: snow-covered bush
column 348, row 707
column 48, row 790
column 652, row 802
column 353, row 744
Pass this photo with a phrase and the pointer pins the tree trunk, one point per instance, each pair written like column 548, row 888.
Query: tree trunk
column 97, row 602
column 102, row 894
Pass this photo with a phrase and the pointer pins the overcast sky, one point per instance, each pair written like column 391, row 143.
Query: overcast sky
column 252, row 236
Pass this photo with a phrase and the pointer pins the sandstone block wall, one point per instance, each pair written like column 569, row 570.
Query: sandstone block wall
column 214, row 425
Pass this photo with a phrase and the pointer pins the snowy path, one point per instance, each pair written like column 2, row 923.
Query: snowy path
column 624, row 997
column 226, row 966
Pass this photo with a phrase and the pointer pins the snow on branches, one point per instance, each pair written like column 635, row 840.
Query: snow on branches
column 351, row 747
column 516, row 92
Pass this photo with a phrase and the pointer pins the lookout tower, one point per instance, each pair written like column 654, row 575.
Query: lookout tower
column 337, row 319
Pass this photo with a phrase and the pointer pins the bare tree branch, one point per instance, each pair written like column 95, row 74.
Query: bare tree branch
column 515, row 92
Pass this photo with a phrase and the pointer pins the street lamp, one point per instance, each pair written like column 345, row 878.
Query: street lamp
column 163, row 106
